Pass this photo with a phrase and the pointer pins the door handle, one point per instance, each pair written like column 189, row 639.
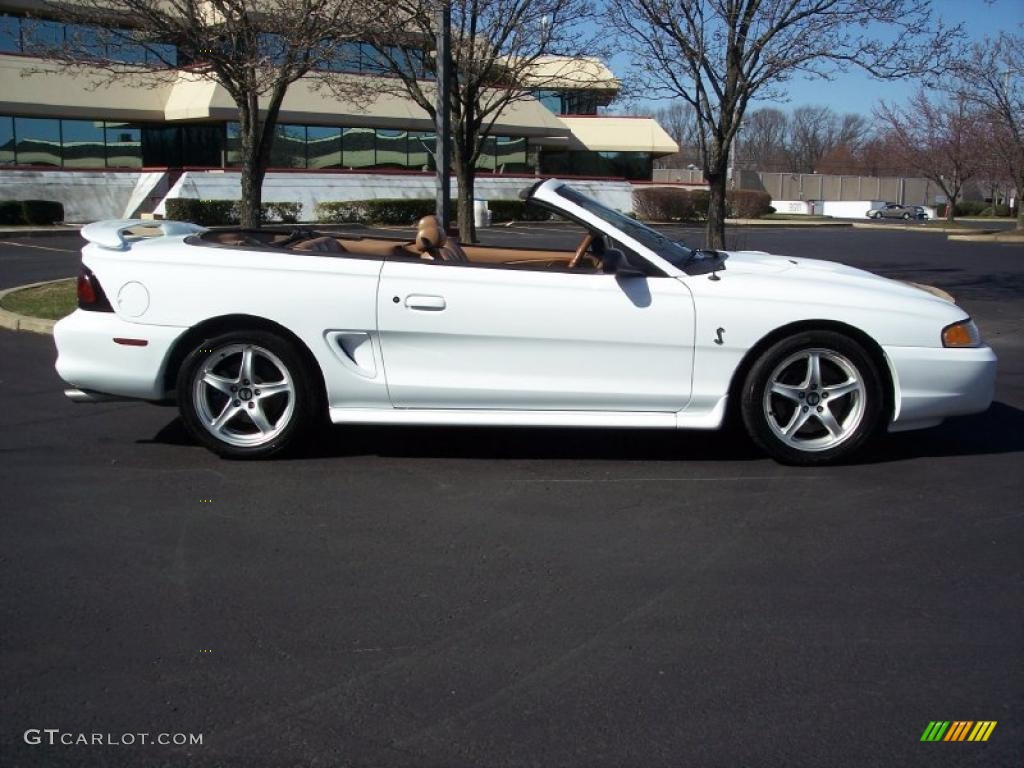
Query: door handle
column 427, row 303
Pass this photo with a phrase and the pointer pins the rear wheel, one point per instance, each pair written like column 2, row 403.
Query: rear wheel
column 246, row 394
column 813, row 398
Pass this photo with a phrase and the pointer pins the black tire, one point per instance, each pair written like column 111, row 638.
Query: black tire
column 876, row 215
column 906, row 217
column 287, row 415
column 857, row 417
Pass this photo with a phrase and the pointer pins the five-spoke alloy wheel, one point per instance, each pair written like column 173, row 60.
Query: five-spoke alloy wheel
column 245, row 394
column 813, row 398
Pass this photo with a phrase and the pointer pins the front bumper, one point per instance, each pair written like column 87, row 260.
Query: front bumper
column 89, row 358
column 935, row 383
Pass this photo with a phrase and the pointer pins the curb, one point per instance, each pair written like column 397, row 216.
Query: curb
column 911, row 228
column 983, row 238
column 7, row 232
column 786, row 223
column 12, row 321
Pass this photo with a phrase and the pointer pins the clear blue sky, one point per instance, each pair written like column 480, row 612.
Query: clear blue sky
column 856, row 91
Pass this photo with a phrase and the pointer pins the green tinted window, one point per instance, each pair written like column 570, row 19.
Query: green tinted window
column 6, row 140
column 357, row 145
column 38, row 141
column 391, row 149
column 124, row 145
column 289, row 148
column 82, row 141
column 323, row 146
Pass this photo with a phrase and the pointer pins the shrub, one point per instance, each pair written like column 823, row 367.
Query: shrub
column 42, row 211
column 208, row 213
column 747, row 203
column 341, row 212
column 516, row 210
column 10, row 212
column 700, row 199
column 663, row 204
column 996, row 210
column 970, row 208
column 380, row 211
column 286, row 213
column 399, row 210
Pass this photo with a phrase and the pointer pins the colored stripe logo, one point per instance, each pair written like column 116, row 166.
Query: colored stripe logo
column 958, row 730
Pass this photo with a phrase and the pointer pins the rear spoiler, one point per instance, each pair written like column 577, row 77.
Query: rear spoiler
column 110, row 234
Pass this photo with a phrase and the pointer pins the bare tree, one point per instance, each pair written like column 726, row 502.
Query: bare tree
column 991, row 76
column 810, row 137
column 718, row 54
column 254, row 50
column 502, row 51
column 680, row 122
column 763, row 140
column 941, row 140
column 817, row 132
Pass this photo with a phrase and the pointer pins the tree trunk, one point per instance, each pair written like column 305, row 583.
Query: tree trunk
column 252, row 194
column 466, row 177
column 254, row 166
column 950, row 208
column 714, row 233
column 1020, row 208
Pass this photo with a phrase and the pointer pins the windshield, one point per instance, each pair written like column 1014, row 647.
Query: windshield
column 675, row 253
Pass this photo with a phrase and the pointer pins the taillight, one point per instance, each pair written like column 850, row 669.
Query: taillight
column 90, row 292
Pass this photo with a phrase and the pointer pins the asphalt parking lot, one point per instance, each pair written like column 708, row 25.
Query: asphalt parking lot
column 488, row 597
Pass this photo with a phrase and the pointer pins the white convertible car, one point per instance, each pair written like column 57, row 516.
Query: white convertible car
column 259, row 335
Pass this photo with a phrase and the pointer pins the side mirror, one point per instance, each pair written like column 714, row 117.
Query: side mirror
column 614, row 262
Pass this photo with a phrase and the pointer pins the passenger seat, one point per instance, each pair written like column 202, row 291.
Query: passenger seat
column 432, row 243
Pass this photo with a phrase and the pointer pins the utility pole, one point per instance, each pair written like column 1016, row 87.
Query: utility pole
column 442, row 119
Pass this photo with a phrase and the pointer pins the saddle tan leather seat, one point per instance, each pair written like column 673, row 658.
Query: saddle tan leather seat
column 320, row 245
column 432, row 243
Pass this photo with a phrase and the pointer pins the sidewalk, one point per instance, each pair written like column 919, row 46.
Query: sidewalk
column 921, row 228
column 53, row 230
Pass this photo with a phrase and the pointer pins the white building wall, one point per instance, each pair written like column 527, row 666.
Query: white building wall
column 94, row 195
column 310, row 188
column 849, row 209
column 86, row 195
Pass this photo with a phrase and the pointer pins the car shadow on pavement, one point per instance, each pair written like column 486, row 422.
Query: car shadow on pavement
column 998, row 430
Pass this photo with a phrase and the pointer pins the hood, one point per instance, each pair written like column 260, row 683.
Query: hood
column 760, row 262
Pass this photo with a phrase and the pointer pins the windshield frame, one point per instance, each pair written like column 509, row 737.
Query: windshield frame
column 672, row 251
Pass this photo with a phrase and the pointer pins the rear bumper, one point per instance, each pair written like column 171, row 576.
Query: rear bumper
column 89, row 359
column 935, row 383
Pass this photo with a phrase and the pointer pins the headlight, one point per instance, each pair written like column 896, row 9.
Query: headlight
column 962, row 334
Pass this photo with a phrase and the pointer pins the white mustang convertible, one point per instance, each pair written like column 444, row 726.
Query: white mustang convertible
column 260, row 335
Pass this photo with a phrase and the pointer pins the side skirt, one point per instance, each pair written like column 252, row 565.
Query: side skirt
column 494, row 418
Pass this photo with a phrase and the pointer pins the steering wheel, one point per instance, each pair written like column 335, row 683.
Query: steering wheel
column 581, row 250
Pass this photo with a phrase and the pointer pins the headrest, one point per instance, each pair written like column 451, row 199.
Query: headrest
column 429, row 235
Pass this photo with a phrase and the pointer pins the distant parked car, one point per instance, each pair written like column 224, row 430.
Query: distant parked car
column 897, row 211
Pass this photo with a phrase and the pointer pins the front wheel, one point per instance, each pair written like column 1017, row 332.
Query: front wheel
column 813, row 398
column 246, row 394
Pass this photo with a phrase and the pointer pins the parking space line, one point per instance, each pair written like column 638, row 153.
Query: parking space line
column 40, row 247
column 670, row 479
